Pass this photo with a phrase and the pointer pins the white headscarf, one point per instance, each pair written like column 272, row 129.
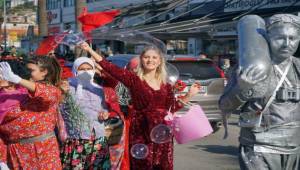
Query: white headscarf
column 80, row 84
column 81, row 60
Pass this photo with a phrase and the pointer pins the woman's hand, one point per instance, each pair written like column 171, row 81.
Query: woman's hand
column 194, row 89
column 7, row 74
column 103, row 116
column 99, row 69
column 64, row 86
column 85, row 46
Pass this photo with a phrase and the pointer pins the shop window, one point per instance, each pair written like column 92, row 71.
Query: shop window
column 68, row 3
column 52, row 4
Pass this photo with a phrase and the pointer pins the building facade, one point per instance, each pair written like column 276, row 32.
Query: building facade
column 19, row 21
column 14, row 3
column 187, row 26
column 209, row 26
column 61, row 14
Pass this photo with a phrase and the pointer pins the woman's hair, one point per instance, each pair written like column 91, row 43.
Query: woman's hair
column 19, row 68
column 51, row 65
column 161, row 73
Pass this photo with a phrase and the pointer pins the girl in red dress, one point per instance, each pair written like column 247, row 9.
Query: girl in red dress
column 152, row 97
column 26, row 133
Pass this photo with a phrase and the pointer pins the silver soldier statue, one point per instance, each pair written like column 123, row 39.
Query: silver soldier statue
column 267, row 96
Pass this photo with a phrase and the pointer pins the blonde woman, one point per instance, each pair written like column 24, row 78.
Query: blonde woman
column 152, row 97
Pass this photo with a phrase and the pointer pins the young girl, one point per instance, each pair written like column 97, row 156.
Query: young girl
column 86, row 146
column 27, row 129
column 152, row 97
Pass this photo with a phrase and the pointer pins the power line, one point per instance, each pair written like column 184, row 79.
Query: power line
column 130, row 19
column 251, row 10
column 185, row 25
column 198, row 7
column 189, row 23
column 212, row 12
column 115, row 4
column 202, row 26
column 181, row 2
column 294, row 3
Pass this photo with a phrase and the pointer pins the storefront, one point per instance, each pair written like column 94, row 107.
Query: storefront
column 54, row 21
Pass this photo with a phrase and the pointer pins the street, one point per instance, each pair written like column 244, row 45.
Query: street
column 210, row 153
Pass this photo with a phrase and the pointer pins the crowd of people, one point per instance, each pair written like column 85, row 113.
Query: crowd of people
column 53, row 117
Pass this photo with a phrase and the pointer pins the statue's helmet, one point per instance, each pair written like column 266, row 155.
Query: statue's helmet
column 283, row 19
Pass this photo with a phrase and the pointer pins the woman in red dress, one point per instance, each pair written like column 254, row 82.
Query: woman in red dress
column 26, row 133
column 152, row 97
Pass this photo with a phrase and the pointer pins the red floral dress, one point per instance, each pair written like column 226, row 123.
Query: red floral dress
column 35, row 117
column 149, row 109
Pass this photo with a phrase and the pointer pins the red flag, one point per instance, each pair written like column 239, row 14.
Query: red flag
column 49, row 44
column 66, row 72
column 46, row 46
column 94, row 20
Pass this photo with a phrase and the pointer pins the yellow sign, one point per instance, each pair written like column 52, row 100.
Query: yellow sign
column 13, row 36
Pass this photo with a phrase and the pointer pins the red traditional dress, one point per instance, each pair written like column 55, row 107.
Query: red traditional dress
column 149, row 109
column 27, row 132
column 119, row 153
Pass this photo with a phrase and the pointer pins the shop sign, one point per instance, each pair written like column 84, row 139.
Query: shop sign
column 240, row 5
column 13, row 36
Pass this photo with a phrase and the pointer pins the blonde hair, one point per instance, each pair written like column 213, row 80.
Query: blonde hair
column 161, row 71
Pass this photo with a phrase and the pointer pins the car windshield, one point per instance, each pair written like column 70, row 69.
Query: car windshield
column 119, row 62
column 196, row 70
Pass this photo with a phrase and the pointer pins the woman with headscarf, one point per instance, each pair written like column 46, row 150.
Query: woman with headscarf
column 86, row 146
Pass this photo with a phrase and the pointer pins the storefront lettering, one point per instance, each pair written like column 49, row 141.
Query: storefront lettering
column 247, row 4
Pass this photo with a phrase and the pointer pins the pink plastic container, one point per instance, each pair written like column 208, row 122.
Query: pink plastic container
column 191, row 126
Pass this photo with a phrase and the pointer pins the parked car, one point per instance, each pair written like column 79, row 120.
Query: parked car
column 204, row 71
column 212, row 81
column 121, row 60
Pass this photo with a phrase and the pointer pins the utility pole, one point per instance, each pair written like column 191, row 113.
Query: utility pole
column 79, row 5
column 42, row 18
column 4, row 24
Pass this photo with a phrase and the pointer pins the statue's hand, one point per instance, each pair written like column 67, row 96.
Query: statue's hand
column 251, row 75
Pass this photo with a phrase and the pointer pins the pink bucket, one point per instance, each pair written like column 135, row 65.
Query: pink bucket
column 190, row 126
